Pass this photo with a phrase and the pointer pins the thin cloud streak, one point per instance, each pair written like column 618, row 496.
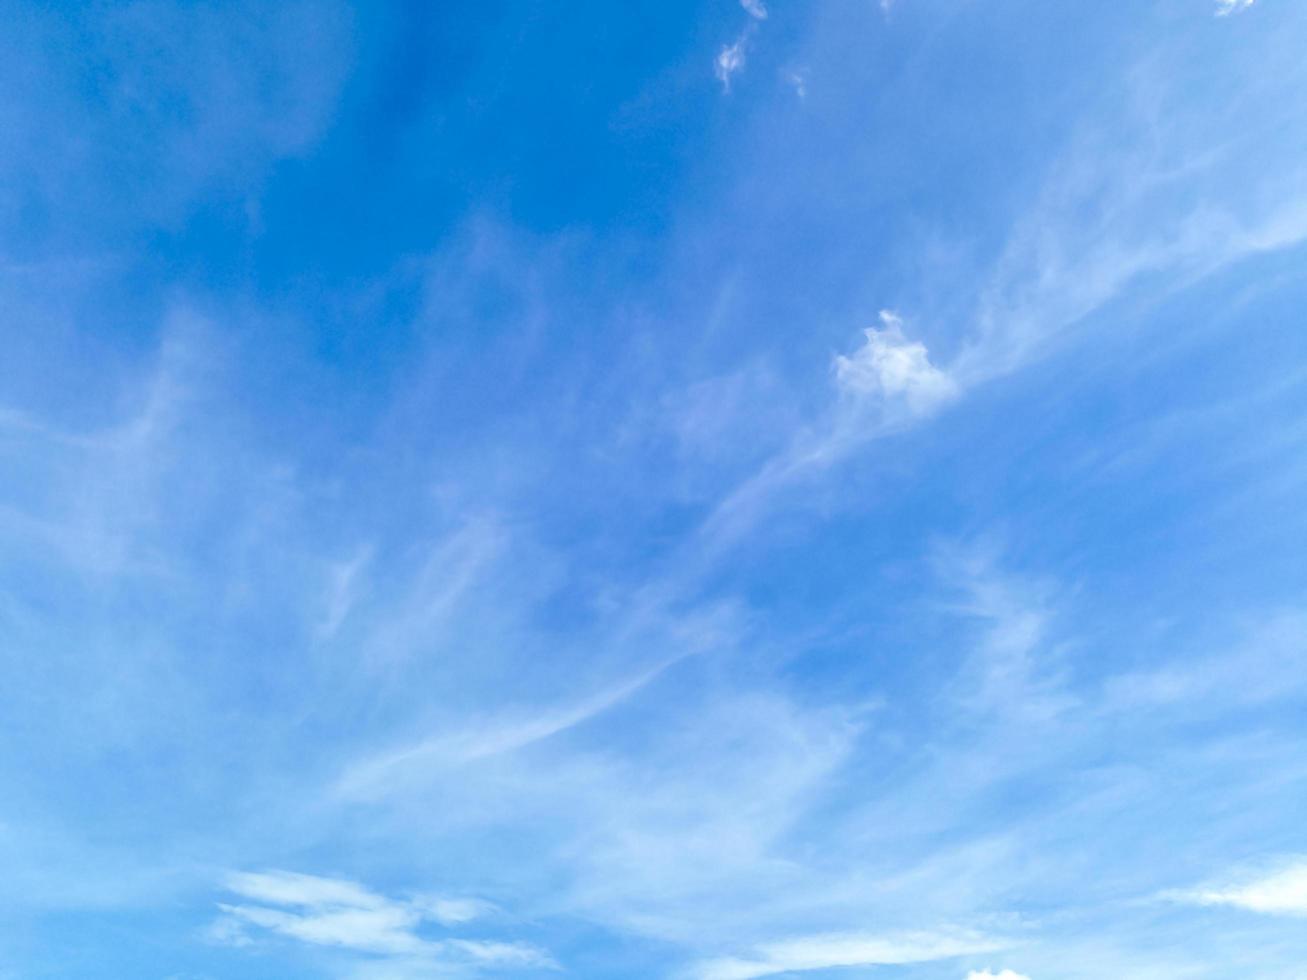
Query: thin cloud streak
column 824, row 952
column 372, row 777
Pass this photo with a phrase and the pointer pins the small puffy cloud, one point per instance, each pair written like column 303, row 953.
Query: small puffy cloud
column 990, row 975
column 730, row 61
column 830, row 950
column 1280, row 892
column 755, row 9
column 891, row 368
column 1226, row 7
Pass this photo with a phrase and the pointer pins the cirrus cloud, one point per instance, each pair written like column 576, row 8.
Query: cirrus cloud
column 339, row 913
column 830, row 950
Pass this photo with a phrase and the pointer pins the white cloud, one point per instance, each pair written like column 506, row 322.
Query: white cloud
column 455, row 569
column 1013, row 669
column 1105, row 221
column 373, row 776
column 1056, row 271
column 387, row 929
column 1264, row 668
column 829, row 950
column 883, row 386
column 341, row 592
column 455, row 911
column 894, row 369
column 1226, row 7
column 1281, row 892
column 335, row 912
column 755, row 9
column 307, row 891
column 988, row 975
column 698, row 820
column 487, row 953
column 730, row 61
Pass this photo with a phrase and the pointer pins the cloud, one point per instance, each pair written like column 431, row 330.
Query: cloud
column 730, row 61
column 1226, row 7
column 798, row 79
column 456, row 567
column 893, row 370
column 387, row 929
column 830, row 950
column 376, row 775
column 1281, row 892
column 1109, row 217
column 492, row 953
column 1264, row 668
column 456, row 911
column 1013, row 669
column 243, row 92
column 340, row 913
column 696, row 815
column 881, row 387
column 685, row 811
column 1056, row 271
column 341, row 592
column 301, row 890
column 989, row 975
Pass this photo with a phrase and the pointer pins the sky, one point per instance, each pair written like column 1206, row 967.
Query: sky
column 702, row 490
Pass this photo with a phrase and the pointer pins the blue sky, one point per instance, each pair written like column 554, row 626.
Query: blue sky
column 704, row 490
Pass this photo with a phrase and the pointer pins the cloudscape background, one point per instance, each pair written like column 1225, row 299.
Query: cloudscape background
column 703, row 490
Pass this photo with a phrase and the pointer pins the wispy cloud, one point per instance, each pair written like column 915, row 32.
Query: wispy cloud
column 824, row 952
column 377, row 775
column 882, row 387
column 456, row 911
column 1226, row 7
column 301, row 890
column 1055, row 273
column 1058, row 271
column 730, row 61
column 798, row 80
column 1258, row 670
column 1280, row 891
column 1014, row 667
column 217, row 124
column 389, row 591
column 731, row 58
column 455, row 566
column 340, row 913
column 342, row 591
